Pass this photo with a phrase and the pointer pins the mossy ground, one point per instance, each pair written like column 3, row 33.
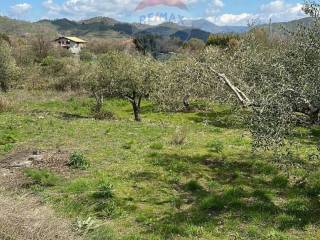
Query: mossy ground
column 211, row 186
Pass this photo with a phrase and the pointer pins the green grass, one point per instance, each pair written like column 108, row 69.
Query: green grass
column 42, row 177
column 173, row 176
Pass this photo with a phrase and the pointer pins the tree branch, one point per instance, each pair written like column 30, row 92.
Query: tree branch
column 241, row 96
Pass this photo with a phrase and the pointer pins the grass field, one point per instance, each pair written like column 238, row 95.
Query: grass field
column 173, row 176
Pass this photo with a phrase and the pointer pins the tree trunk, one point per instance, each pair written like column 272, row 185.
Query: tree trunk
column 314, row 116
column 186, row 103
column 99, row 102
column 3, row 87
column 136, row 102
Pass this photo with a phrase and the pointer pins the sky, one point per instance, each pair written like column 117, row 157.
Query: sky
column 220, row 12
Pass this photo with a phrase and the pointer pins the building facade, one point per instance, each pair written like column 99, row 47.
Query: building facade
column 73, row 44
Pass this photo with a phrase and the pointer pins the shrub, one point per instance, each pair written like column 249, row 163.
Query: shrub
column 223, row 40
column 78, row 160
column 8, row 70
column 86, row 56
column 42, row 177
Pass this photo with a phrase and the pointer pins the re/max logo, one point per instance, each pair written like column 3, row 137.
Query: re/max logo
column 161, row 17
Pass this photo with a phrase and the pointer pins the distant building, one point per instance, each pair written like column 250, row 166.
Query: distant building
column 73, row 44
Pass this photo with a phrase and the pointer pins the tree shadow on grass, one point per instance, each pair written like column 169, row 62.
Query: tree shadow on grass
column 60, row 115
column 71, row 116
column 227, row 118
column 245, row 194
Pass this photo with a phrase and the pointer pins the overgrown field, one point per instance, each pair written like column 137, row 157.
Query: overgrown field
column 173, row 176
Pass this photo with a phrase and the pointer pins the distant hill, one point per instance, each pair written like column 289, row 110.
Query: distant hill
column 282, row 27
column 210, row 27
column 104, row 27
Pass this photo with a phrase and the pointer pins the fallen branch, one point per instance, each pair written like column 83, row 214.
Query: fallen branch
column 242, row 97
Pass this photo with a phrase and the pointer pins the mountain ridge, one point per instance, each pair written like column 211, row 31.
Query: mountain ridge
column 108, row 27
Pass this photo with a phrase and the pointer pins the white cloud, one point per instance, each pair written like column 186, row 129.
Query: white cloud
column 277, row 11
column 214, row 7
column 20, row 10
column 232, row 19
column 218, row 3
column 90, row 8
column 275, row 6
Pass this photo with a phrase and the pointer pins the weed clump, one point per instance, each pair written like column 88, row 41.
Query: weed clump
column 193, row 186
column 280, row 181
column 179, row 137
column 5, row 105
column 156, row 146
column 43, row 178
column 78, row 160
column 105, row 203
column 105, row 190
column 103, row 115
column 216, row 146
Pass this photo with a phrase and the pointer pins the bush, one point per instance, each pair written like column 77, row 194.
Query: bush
column 42, row 177
column 78, row 160
column 8, row 69
column 86, row 56
column 223, row 40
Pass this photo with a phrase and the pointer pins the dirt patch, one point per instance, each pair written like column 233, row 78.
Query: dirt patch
column 11, row 174
column 54, row 160
column 24, row 217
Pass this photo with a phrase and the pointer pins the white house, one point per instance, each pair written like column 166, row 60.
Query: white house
column 74, row 44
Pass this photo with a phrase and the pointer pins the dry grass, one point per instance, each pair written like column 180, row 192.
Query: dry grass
column 5, row 104
column 24, row 217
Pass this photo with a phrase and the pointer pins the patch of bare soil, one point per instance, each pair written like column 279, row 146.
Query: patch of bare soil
column 25, row 218
column 11, row 176
column 22, row 216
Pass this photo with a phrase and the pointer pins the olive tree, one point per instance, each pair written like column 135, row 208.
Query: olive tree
column 279, row 82
column 134, row 79
column 179, row 82
column 119, row 74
